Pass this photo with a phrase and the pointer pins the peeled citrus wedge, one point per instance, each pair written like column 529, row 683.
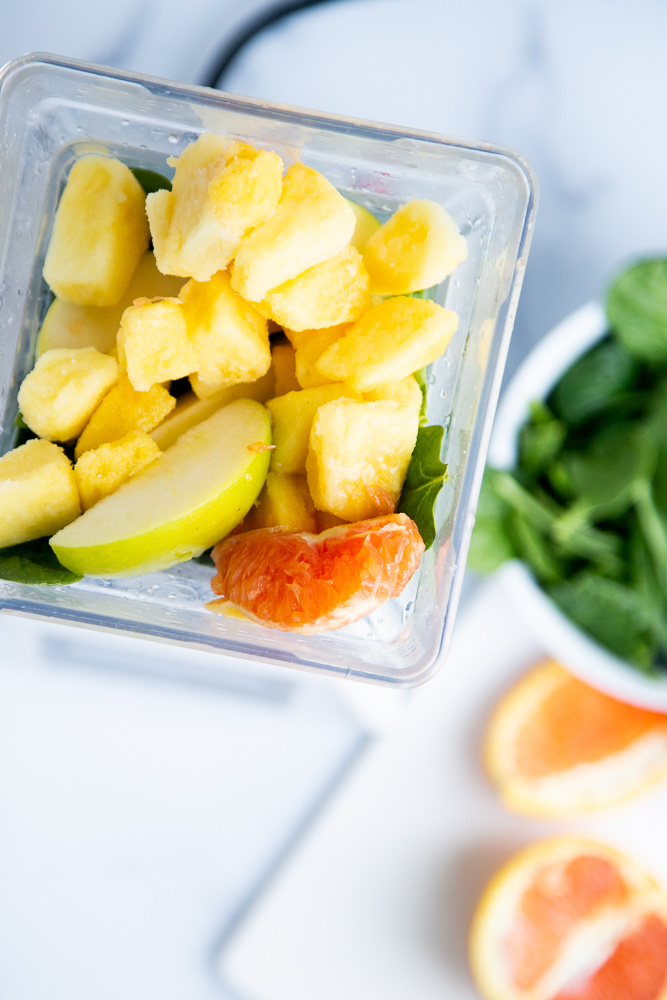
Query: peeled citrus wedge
column 568, row 919
column 555, row 746
column 300, row 582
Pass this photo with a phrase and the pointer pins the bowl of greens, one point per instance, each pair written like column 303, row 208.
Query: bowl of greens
column 573, row 508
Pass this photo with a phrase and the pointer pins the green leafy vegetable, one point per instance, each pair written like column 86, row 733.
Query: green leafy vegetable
column 150, row 180
column 23, row 433
column 540, row 441
column 596, row 382
column 612, row 613
column 421, row 380
column 586, row 507
column 34, row 563
column 423, row 482
column 637, row 309
column 490, row 545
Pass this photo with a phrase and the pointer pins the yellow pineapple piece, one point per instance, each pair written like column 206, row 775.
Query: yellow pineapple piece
column 390, row 341
column 229, row 337
column 67, row 324
column 311, row 223
column 38, row 494
column 291, row 419
column 191, row 410
column 358, row 456
column 405, row 393
column 60, row 394
column 310, row 350
column 102, row 470
column 366, row 225
column 99, row 233
column 219, row 191
column 122, row 410
column 153, row 343
column 416, row 248
column 284, row 502
column 283, row 357
column 248, row 189
column 334, row 292
column 186, row 231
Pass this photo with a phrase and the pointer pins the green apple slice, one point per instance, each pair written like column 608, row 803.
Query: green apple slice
column 366, row 225
column 67, row 324
column 178, row 506
column 191, row 410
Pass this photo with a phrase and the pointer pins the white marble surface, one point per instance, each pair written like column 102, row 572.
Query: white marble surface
column 118, row 856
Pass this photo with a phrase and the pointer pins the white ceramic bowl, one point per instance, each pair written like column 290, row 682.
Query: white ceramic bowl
column 556, row 634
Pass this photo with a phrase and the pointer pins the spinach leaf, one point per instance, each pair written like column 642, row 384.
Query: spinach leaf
column 535, row 549
column 420, row 377
column 594, row 383
column 205, row 558
column 637, row 309
column 604, row 475
column 611, row 613
column 539, row 443
column 35, row 563
column 490, row 545
column 150, row 180
column 423, row 482
column 24, row 433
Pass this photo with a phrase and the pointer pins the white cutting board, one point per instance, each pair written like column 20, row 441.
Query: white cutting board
column 376, row 904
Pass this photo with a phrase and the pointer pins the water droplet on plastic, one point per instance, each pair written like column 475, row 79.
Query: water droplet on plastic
column 173, row 138
column 125, row 121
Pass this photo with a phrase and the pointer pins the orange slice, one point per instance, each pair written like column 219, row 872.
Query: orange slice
column 568, row 919
column 300, row 582
column 556, row 746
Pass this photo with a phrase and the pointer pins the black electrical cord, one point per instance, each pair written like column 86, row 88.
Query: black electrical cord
column 249, row 31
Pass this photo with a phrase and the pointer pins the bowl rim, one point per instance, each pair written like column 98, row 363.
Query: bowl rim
column 558, row 636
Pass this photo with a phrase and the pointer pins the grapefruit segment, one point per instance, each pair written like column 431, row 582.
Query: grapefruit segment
column 556, row 746
column 300, row 582
column 569, row 919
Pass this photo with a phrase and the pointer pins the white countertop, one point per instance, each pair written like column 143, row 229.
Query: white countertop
column 135, row 815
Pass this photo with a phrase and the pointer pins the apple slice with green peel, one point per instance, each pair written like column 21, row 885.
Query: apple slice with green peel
column 178, row 506
column 366, row 225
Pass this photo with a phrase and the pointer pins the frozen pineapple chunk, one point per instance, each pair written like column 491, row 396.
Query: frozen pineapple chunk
column 220, row 191
column 283, row 358
column 358, row 456
column 229, row 337
column 310, row 349
column 336, row 291
column 416, row 248
column 60, row 394
column 191, row 410
column 284, row 502
column 312, row 223
column 38, row 494
column 67, row 324
column 102, row 470
column 291, row 418
column 153, row 343
column 389, row 342
column 405, row 393
column 122, row 410
column 99, row 233
column 248, row 189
